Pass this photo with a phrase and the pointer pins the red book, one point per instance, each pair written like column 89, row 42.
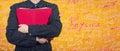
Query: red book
column 38, row 16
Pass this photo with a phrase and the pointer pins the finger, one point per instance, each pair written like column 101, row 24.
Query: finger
column 45, row 40
column 20, row 30
column 20, row 25
column 42, row 41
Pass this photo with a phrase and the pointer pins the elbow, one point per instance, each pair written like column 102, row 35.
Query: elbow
column 9, row 38
column 11, row 41
column 58, row 30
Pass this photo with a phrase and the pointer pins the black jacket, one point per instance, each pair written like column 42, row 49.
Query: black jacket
column 28, row 40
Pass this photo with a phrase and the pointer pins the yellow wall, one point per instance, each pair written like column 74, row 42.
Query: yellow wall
column 88, row 25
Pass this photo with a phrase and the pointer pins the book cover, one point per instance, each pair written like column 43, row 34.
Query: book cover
column 38, row 16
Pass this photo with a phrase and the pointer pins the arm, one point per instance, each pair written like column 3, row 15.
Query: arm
column 16, row 37
column 51, row 30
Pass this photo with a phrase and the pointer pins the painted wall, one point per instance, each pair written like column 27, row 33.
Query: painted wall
column 88, row 25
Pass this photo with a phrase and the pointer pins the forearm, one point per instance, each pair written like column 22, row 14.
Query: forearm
column 46, row 31
column 20, row 39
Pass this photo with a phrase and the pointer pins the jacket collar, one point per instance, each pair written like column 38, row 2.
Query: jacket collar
column 31, row 5
column 41, row 2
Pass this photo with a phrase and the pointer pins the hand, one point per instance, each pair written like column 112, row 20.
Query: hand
column 41, row 40
column 23, row 28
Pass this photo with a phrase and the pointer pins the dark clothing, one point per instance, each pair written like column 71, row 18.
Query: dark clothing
column 27, row 42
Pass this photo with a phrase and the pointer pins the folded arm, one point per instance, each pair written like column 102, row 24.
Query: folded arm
column 51, row 30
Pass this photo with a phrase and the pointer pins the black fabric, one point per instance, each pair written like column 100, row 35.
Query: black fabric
column 27, row 42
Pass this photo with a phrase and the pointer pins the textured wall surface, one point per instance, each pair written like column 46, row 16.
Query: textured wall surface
column 88, row 25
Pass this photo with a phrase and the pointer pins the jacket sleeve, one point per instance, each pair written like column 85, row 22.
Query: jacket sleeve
column 51, row 30
column 14, row 36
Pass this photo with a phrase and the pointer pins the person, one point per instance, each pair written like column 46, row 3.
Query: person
column 22, row 35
